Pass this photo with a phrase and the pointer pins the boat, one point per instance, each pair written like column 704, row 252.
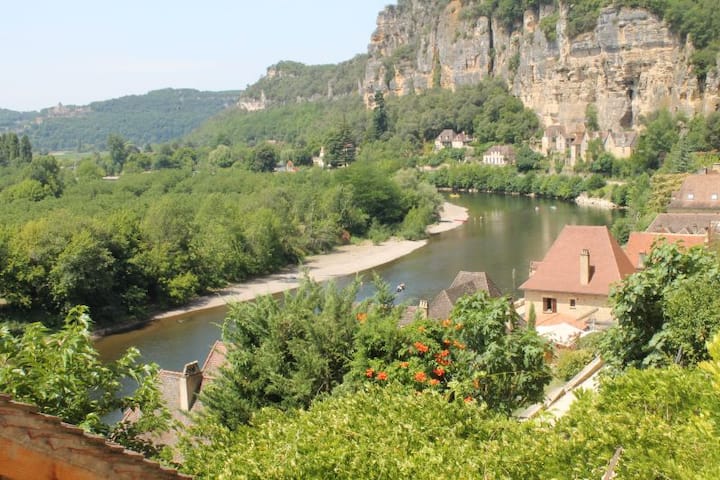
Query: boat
column 454, row 195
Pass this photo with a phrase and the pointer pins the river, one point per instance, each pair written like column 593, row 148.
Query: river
column 501, row 237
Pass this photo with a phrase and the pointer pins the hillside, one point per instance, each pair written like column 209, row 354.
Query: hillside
column 156, row 117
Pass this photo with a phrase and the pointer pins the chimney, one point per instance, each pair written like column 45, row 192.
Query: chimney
column 189, row 385
column 424, row 308
column 585, row 267
column 642, row 256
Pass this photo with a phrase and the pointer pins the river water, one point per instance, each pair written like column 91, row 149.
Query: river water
column 501, row 237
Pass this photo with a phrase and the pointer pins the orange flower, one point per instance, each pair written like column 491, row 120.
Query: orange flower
column 382, row 376
column 361, row 317
column 446, row 323
column 439, row 371
column 421, row 347
column 420, row 377
column 476, row 384
column 421, row 329
column 434, row 381
column 446, row 342
column 459, row 345
column 404, row 364
column 459, row 326
column 469, row 399
column 369, row 372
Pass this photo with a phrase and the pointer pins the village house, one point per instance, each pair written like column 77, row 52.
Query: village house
column 499, row 155
column 569, row 288
column 449, row 139
column 573, row 144
column 697, row 194
column 35, row 446
column 180, row 390
column 465, row 283
column 640, row 244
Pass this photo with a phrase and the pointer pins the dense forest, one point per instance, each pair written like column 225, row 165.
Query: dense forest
column 156, row 117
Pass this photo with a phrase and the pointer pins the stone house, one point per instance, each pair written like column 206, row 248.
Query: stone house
column 500, row 155
column 35, row 446
column 572, row 282
column 180, row 390
column 449, row 139
column 465, row 283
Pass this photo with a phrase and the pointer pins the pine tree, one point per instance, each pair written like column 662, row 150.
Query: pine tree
column 25, row 150
column 380, row 118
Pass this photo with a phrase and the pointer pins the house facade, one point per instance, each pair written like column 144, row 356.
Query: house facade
column 449, row 139
column 697, row 194
column 499, row 155
column 575, row 277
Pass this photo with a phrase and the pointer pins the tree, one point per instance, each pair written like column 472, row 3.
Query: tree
column 46, row 170
column 591, row 117
column 221, row 157
column 664, row 313
column 479, row 354
column 25, row 150
column 284, row 353
column 380, row 117
column 62, row 373
column 118, row 152
column 526, row 159
column 340, row 146
column 264, row 158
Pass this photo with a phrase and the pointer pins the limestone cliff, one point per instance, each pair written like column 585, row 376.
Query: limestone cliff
column 630, row 64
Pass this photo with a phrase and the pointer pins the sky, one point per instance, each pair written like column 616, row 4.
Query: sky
column 78, row 51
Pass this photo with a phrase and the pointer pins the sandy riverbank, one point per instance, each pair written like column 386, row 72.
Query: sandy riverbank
column 343, row 261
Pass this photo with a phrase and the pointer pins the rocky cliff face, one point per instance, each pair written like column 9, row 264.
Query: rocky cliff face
column 630, row 65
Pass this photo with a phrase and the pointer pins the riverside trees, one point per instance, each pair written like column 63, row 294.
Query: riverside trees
column 162, row 237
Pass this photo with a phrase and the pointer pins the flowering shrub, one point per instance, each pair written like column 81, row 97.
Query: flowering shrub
column 479, row 354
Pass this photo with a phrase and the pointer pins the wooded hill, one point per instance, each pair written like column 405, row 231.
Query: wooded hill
column 156, row 117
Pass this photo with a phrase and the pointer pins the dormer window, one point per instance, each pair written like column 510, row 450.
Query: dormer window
column 713, row 196
column 691, row 196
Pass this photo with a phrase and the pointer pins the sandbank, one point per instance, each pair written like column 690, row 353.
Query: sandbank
column 342, row 261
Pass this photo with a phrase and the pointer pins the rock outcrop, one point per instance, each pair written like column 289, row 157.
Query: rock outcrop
column 630, row 64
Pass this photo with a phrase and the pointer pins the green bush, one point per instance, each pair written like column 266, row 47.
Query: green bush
column 571, row 362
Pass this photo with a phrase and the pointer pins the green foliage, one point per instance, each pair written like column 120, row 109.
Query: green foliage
column 264, row 158
column 548, row 25
column 471, row 356
column 161, row 237
column 291, row 81
column 570, row 362
column 62, row 374
column 392, row 433
column 156, row 117
column 284, row 354
column 487, row 178
column 380, row 117
column 666, row 312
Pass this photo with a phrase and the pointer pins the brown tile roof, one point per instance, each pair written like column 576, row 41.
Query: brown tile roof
column 65, row 448
column 559, row 271
column 642, row 242
column 698, row 192
column 215, row 359
column 685, row 223
column 465, row 283
column 554, row 131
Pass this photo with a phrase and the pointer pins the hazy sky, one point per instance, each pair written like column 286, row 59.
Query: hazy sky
column 78, row 51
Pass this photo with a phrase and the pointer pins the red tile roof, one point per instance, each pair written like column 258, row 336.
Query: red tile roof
column 642, row 242
column 559, row 271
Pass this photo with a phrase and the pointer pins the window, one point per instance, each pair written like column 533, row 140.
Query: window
column 572, row 303
column 691, row 196
column 713, row 196
column 549, row 305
